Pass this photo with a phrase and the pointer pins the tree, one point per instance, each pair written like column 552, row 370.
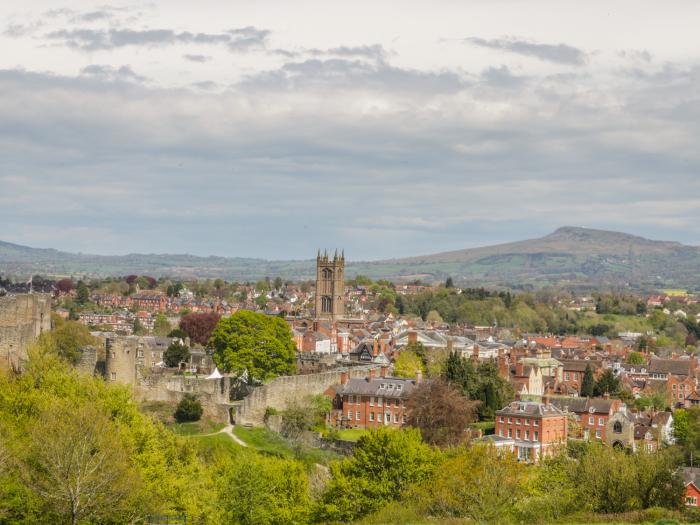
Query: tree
column 178, row 333
column 636, row 358
column 77, row 464
column 161, row 325
column 449, row 283
column 188, row 409
column 434, row 317
column 588, row 382
column 199, row 327
column 607, row 384
column 384, row 464
column 301, row 416
column 476, row 483
column 255, row 342
column 138, row 328
column 407, row 364
column 440, row 412
column 278, row 283
column 68, row 339
column 82, row 293
column 175, row 354
column 65, row 285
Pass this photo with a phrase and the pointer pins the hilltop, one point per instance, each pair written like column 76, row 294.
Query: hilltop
column 570, row 256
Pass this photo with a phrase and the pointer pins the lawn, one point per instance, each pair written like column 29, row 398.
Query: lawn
column 268, row 442
column 351, row 434
column 205, row 426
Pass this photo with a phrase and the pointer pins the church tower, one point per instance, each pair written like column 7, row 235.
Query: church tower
column 330, row 286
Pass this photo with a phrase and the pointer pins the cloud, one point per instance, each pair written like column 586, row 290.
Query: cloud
column 87, row 39
column 374, row 52
column 197, row 58
column 557, row 53
column 123, row 73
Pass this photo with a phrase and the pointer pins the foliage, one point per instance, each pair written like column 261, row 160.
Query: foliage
column 607, row 384
column 255, row 342
column 65, row 285
column 303, row 415
column 407, row 364
column 256, row 490
column 476, row 483
column 188, row 409
column 175, row 354
column 161, row 325
column 636, row 358
column 82, row 293
column 384, row 464
column 67, row 339
column 199, row 327
column 588, row 382
column 178, row 332
column 481, row 383
column 440, row 412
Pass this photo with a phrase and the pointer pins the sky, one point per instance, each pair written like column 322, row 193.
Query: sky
column 274, row 128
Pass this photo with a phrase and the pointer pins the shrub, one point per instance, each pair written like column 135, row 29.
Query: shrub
column 188, row 409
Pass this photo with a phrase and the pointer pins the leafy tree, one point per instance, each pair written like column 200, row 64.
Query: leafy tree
column 188, row 409
column 449, row 283
column 301, row 416
column 255, row 342
column 199, row 327
column 588, row 382
column 138, row 328
column 179, row 333
column 68, row 339
column 257, row 490
column 476, row 483
column 636, row 358
column 82, row 293
column 278, row 283
column 175, row 354
column 65, row 285
column 434, row 317
column 161, row 325
column 440, row 412
column 77, row 464
column 261, row 301
column 607, row 384
column 407, row 364
column 384, row 464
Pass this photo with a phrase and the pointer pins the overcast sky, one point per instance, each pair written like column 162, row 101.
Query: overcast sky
column 272, row 128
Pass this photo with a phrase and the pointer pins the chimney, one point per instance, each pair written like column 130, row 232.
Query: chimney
column 344, row 377
column 519, row 369
column 412, row 337
column 475, row 352
column 375, row 351
column 419, row 376
column 383, row 370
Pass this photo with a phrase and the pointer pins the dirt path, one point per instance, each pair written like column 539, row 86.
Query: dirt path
column 228, row 429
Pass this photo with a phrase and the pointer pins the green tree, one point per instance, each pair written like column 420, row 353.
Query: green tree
column 188, row 409
column 68, row 339
column 255, row 342
column 449, row 283
column 588, row 382
column 278, row 283
column 175, row 354
column 257, row 490
column 636, row 358
column 407, row 364
column 161, row 325
column 607, row 384
column 137, row 328
column 384, row 464
column 82, row 293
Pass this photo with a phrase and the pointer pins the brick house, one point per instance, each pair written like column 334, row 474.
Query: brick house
column 592, row 414
column 574, row 369
column 370, row 402
column 691, row 480
column 537, row 429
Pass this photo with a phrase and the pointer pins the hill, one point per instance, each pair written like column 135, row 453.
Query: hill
column 570, row 256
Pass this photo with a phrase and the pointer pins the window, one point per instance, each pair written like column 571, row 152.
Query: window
column 501, row 419
column 500, row 432
column 527, row 435
column 517, row 434
column 350, row 415
column 396, row 418
column 598, row 434
column 510, row 432
column 617, row 427
column 601, row 421
column 379, row 417
column 591, row 420
column 371, row 401
column 371, row 416
column 526, row 422
column 673, row 387
column 379, row 402
column 575, row 376
column 396, row 402
column 517, row 421
column 523, row 453
column 114, row 376
column 691, row 500
column 139, row 353
column 510, row 420
column 404, row 419
column 357, row 415
column 535, row 423
column 536, row 436
column 567, row 376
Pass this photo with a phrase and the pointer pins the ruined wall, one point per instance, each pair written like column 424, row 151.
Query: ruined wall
column 278, row 392
column 23, row 317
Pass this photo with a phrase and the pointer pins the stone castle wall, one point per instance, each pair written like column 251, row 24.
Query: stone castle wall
column 281, row 390
column 23, row 317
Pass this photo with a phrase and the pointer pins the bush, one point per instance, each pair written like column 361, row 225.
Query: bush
column 188, row 409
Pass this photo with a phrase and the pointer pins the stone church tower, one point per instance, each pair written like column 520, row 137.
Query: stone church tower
column 330, row 286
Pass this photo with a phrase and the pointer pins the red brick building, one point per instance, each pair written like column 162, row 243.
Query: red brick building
column 691, row 479
column 537, row 429
column 592, row 414
column 370, row 402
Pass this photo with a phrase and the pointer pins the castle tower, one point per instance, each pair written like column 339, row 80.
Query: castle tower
column 330, row 286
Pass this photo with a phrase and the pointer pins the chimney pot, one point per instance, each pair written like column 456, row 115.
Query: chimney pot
column 419, row 376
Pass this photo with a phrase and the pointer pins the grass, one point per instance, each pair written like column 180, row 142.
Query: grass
column 351, row 434
column 268, row 442
column 205, row 426
column 209, row 446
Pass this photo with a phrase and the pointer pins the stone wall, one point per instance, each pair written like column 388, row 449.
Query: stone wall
column 23, row 317
column 278, row 392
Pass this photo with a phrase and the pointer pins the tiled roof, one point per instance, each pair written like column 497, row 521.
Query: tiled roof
column 528, row 408
column 389, row 387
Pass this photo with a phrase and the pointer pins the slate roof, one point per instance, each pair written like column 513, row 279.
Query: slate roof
column 529, row 408
column 691, row 475
column 678, row 367
column 387, row 387
column 579, row 365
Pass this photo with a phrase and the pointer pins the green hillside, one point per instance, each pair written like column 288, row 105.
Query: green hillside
column 572, row 257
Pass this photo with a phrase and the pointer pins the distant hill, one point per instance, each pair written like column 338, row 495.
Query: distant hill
column 571, row 256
